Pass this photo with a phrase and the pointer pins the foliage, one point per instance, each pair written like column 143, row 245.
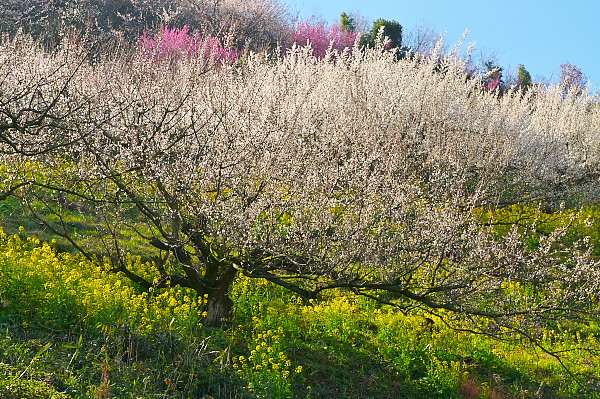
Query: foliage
column 523, row 78
column 347, row 22
column 276, row 347
column 95, row 316
column 59, row 287
column 12, row 386
column 268, row 369
column 391, row 29
column 536, row 225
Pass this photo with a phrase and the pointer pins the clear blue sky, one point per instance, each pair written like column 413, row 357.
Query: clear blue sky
column 538, row 34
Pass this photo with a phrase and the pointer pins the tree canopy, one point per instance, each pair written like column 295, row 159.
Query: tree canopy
column 380, row 176
column 257, row 23
column 391, row 29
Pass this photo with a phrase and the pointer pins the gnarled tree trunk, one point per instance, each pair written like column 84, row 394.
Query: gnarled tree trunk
column 219, row 304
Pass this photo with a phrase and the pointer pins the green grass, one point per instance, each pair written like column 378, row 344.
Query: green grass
column 67, row 329
column 82, row 225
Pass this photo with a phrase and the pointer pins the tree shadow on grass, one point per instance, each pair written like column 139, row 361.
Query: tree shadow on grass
column 334, row 369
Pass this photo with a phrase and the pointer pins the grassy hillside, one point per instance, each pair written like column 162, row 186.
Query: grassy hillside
column 68, row 329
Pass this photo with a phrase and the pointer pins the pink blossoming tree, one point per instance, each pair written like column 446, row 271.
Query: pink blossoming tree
column 172, row 44
column 321, row 37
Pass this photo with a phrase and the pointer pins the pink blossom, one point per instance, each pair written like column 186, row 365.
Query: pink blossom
column 174, row 43
column 493, row 84
column 321, row 37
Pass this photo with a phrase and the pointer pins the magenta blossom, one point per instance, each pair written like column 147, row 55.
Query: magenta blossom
column 173, row 44
column 321, row 37
column 492, row 84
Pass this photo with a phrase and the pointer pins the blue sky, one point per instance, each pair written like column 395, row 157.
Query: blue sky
column 541, row 35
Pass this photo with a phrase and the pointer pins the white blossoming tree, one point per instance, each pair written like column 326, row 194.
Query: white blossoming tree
column 360, row 172
column 256, row 23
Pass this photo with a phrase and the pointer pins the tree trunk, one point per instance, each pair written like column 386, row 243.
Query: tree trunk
column 219, row 304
